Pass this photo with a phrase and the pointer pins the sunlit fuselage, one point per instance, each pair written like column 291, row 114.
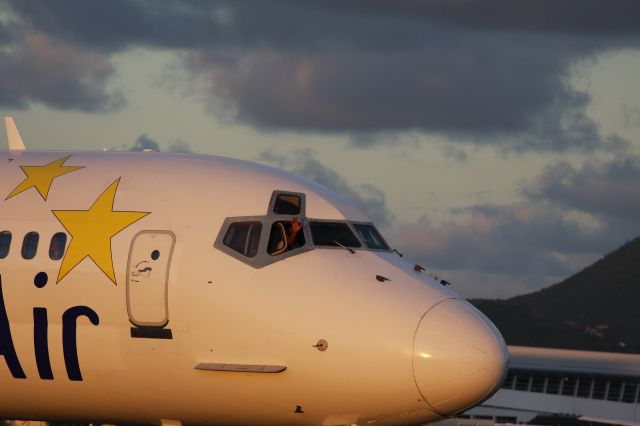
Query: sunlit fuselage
column 403, row 350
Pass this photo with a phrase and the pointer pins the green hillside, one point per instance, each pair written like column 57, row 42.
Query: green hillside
column 595, row 309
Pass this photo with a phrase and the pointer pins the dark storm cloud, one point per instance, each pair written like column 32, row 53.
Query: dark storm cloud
column 367, row 197
column 587, row 17
column 609, row 189
column 118, row 24
column 436, row 89
column 506, row 86
column 491, row 72
column 490, row 92
column 298, row 24
column 36, row 68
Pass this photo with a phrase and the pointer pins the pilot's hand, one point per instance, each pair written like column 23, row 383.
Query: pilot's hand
column 295, row 225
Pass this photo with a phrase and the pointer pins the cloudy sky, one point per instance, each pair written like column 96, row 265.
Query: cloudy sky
column 496, row 142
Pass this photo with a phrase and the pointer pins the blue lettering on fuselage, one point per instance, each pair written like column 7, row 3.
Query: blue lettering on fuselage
column 41, row 340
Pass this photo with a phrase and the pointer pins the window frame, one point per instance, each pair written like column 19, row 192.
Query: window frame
column 262, row 257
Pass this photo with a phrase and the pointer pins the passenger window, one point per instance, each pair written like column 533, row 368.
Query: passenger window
column 58, row 244
column 5, row 243
column 30, row 245
column 243, row 237
column 333, row 234
column 371, row 237
column 285, row 236
column 287, row 204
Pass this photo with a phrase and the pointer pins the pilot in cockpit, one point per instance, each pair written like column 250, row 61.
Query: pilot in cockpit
column 285, row 236
column 293, row 234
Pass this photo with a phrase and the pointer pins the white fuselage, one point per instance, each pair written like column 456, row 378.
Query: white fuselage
column 405, row 350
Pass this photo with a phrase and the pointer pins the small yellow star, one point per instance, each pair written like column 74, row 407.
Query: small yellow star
column 41, row 177
column 91, row 232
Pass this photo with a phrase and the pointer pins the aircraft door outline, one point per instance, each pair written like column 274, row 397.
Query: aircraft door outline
column 148, row 271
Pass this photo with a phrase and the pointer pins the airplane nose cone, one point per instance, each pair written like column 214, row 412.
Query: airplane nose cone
column 459, row 357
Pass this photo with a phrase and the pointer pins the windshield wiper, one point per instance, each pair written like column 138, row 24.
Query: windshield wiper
column 343, row 246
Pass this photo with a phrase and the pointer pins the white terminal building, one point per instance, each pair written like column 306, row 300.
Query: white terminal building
column 563, row 387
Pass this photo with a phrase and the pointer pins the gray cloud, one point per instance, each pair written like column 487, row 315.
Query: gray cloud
column 454, row 153
column 179, row 145
column 144, row 142
column 503, row 250
column 630, row 115
column 8, row 32
column 367, row 197
column 608, row 189
column 489, row 90
column 377, row 23
column 490, row 87
column 515, row 239
column 38, row 69
column 589, row 17
column 485, row 72
column 539, row 240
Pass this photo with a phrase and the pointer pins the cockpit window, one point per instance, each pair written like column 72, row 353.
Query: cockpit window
column 333, row 234
column 371, row 237
column 287, row 204
column 243, row 237
column 285, row 236
column 260, row 240
column 277, row 239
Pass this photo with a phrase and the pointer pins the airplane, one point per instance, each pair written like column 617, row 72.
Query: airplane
column 169, row 289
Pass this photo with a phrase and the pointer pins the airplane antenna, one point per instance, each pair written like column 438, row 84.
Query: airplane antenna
column 13, row 135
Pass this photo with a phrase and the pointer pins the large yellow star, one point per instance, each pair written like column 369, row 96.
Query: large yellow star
column 41, row 177
column 91, row 232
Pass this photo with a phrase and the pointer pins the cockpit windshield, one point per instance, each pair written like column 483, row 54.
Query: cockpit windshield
column 286, row 231
column 333, row 234
column 285, row 236
column 371, row 237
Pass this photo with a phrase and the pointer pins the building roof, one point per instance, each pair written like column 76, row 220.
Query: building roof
column 565, row 360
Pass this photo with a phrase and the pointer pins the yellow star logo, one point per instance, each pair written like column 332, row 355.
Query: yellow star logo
column 41, row 177
column 91, row 232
